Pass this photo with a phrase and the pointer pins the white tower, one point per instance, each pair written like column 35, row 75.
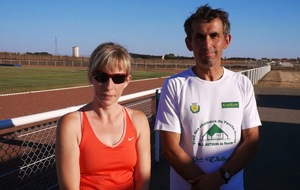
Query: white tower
column 76, row 51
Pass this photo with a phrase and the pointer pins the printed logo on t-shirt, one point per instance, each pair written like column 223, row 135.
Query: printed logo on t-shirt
column 214, row 134
column 230, row 104
column 195, row 108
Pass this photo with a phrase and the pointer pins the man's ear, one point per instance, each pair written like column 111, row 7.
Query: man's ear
column 188, row 43
column 227, row 41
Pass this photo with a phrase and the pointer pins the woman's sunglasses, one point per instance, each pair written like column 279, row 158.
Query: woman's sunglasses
column 116, row 78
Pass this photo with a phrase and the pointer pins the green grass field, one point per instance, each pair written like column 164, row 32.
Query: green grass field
column 24, row 79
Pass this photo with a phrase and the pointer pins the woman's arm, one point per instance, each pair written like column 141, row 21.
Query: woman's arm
column 143, row 167
column 67, row 151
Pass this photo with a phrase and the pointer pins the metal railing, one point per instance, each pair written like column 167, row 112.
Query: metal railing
column 177, row 64
column 257, row 73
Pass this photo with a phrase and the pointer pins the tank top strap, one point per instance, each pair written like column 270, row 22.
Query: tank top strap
column 128, row 118
column 129, row 124
column 85, row 124
column 83, row 116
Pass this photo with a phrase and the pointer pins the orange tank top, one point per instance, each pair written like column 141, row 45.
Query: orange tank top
column 105, row 167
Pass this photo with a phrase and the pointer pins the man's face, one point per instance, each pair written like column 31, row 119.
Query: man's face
column 207, row 43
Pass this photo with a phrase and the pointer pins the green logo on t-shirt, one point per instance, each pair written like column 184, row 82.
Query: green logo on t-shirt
column 230, row 105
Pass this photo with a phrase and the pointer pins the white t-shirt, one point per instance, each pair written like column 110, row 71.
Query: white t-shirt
column 210, row 116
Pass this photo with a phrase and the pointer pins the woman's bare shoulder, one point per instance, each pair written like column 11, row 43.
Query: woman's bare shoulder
column 138, row 119
column 136, row 114
column 70, row 122
column 70, row 117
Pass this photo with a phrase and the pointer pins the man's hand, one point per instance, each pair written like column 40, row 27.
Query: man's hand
column 211, row 181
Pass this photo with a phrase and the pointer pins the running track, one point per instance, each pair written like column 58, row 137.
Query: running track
column 23, row 104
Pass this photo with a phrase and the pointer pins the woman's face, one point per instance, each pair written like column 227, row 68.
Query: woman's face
column 108, row 86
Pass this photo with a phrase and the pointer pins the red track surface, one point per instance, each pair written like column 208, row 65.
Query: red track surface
column 31, row 103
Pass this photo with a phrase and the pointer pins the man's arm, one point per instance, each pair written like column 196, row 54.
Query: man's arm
column 245, row 152
column 177, row 157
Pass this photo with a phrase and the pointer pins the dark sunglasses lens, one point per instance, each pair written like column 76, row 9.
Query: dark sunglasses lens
column 118, row 79
column 101, row 77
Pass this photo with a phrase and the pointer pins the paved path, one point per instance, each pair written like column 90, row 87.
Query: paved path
column 276, row 165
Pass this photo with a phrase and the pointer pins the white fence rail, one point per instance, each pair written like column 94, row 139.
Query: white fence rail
column 257, row 73
column 25, row 120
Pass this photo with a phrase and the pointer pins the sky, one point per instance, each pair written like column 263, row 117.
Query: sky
column 259, row 28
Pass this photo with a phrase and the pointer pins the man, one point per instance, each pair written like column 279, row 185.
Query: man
column 207, row 115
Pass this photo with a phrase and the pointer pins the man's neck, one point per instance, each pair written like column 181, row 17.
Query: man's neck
column 211, row 74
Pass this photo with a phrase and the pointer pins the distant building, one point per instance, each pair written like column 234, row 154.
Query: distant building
column 75, row 51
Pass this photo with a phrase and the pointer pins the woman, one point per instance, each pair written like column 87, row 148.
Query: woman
column 104, row 145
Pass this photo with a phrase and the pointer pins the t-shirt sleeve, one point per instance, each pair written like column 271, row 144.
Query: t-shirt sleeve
column 167, row 116
column 251, row 116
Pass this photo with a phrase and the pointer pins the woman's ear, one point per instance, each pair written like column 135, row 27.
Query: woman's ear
column 128, row 79
column 188, row 43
